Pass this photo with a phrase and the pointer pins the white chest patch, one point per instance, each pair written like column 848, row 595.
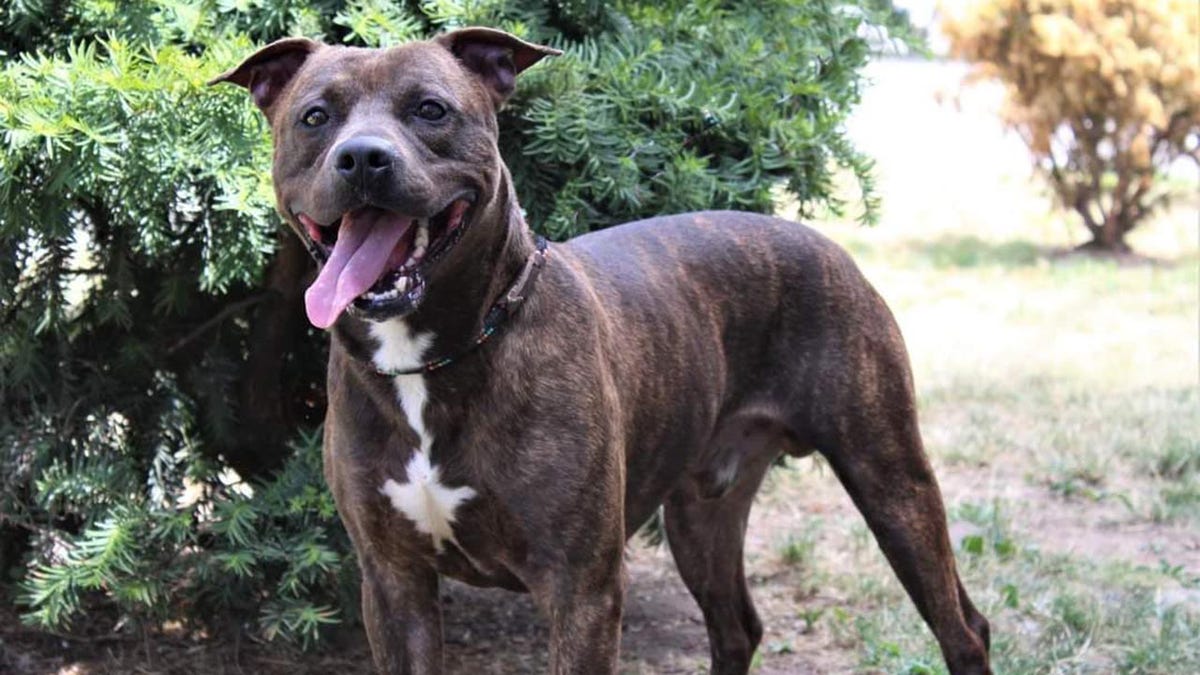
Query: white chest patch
column 422, row 498
column 425, row 501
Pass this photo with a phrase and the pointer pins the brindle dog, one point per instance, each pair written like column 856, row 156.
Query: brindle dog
column 666, row 362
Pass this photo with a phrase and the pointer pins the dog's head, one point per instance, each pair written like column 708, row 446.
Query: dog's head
column 383, row 157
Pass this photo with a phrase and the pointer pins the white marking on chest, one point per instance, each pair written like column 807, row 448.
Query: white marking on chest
column 425, row 501
column 422, row 498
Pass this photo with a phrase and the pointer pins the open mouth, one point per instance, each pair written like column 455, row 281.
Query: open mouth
column 376, row 260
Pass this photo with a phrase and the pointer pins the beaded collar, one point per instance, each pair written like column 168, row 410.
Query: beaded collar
column 501, row 311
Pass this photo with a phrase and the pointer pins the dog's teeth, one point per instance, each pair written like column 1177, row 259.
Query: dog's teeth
column 422, row 239
column 418, row 252
column 402, row 284
column 386, row 295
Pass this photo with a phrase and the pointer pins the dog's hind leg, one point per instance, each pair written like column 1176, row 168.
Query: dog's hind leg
column 706, row 536
column 866, row 424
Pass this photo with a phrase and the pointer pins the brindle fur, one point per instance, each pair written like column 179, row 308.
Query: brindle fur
column 664, row 362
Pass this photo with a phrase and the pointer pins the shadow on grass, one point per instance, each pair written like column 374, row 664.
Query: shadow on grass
column 971, row 251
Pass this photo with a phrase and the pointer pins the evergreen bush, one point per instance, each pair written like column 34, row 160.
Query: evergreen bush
column 160, row 392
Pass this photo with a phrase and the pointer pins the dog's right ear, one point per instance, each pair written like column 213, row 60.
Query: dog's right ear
column 266, row 72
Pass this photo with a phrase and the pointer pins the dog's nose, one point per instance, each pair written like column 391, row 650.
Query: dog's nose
column 363, row 160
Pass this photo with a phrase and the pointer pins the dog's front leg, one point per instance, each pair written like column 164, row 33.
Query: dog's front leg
column 403, row 617
column 584, row 609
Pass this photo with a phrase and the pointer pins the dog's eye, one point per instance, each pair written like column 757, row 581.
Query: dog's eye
column 314, row 117
column 431, row 110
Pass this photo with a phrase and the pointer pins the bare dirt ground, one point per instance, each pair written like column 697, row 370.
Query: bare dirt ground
column 804, row 602
column 497, row 632
column 487, row 631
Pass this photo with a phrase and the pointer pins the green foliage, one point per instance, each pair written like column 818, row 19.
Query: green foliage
column 218, row 548
column 797, row 549
column 704, row 106
column 147, row 392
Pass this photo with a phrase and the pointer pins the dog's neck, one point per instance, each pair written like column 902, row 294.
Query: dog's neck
column 483, row 264
column 474, row 274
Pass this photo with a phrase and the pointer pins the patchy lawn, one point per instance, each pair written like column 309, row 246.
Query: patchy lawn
column 1060, row 406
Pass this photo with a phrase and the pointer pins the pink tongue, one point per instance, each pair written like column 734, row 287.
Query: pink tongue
column 360, row 256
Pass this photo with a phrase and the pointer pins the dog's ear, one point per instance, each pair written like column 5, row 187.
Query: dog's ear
column 267, row 71
column 494, row 56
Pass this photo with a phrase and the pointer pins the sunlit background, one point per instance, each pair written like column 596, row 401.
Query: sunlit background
column 1059, row 399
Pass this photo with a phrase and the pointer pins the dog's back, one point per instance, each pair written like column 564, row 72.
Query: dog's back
column 747, row 326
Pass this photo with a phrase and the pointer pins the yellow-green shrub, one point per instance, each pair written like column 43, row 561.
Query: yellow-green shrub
column 1106, row 94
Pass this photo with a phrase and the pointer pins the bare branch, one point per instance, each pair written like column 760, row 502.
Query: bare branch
column 217, row 319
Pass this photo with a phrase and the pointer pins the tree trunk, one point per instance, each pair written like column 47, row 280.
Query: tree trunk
column 1111, row 236
column 266, row 422
column 1100, row 246
column 14, row 542
column 1107, row 239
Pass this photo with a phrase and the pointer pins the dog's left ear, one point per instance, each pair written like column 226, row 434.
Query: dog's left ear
column 495, row 56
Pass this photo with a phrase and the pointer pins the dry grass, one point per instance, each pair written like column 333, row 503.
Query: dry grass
column 1059, row 403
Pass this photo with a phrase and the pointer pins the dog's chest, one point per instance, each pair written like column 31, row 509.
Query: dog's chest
column 421, row 495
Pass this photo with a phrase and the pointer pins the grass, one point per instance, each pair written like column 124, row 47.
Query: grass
column 1050, row 613
column 1060, row 406
column 798, row 548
